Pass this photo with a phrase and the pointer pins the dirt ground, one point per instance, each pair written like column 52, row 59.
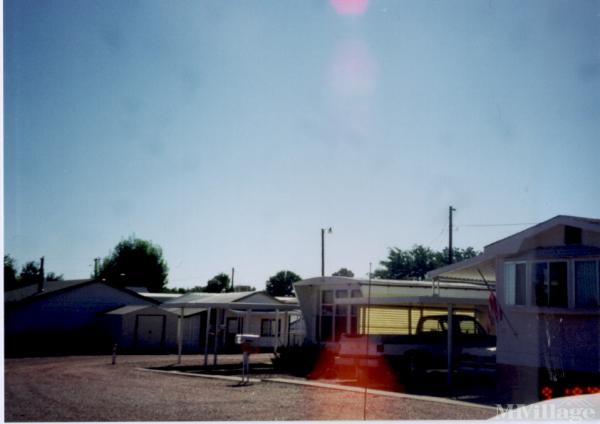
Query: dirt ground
column 91, row 389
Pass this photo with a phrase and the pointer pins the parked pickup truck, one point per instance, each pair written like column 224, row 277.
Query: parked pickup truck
column 427, row 349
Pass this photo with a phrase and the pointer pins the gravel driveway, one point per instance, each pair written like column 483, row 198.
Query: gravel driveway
column 91, row 389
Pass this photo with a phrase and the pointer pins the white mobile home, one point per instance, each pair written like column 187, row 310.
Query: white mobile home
column 332, row 306
column 548, row 293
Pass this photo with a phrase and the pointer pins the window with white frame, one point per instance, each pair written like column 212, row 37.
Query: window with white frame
column 515, row 283
column 587, row 290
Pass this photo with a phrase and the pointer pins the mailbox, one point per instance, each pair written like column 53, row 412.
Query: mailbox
column 241, row 338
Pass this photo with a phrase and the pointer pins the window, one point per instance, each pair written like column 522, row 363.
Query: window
column 572, row 235
column 353, row 319
column 586, row 283
column 470, row 327
column 515, row 280
column 326, row 317
column 356, row 293
column 267, row 327
column 549, row 282
column 432, row 325
column 327, row 297
column 341, row 294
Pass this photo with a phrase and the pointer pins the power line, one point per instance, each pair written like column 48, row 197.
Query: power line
column 497, row 225
column 436, row 238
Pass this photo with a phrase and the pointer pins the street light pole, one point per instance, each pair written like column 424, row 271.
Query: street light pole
column 450, row 256
column 323, row 249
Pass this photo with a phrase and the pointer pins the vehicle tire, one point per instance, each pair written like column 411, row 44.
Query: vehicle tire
column 415, row 365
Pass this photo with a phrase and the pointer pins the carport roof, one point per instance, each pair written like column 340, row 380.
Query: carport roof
column 208, row 303
column 468, row 271
column 124, row 310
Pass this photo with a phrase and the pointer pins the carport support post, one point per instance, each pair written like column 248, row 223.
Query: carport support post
column 179, row 335
column 247, row 320
column 276, row 329
column 216, row 336
column 206, row 337
column 286, row 329
column 450, row 342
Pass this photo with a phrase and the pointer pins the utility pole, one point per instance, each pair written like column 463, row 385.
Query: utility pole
column 450, row 210
column 42, row 276
column 322, row 252
column 232, row 275
column 96, row 267
column 323, row 249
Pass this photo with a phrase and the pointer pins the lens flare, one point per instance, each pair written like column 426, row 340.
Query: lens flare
column 349, row 7
column 353, row 70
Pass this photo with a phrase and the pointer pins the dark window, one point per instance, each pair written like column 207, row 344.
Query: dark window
column 558, row 284
column 353, row 319
column 267, row 327
column 586, row 283
column 326, row 323
column 520, row 284
column 550, row 284
column 539, row 276
column 341, row 318
column 341, row 294
column 572, row 235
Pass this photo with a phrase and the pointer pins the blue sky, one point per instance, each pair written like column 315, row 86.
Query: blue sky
column 230, row 133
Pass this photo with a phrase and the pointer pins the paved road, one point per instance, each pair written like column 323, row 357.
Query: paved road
column 91, row 389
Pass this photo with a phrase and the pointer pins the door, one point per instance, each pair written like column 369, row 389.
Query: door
column 234, row 326
column 150, row 332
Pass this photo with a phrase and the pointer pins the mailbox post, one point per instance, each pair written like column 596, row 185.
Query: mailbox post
column 247, row 342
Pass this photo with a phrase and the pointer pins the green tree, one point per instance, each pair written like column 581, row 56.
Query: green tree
column 457, row 254
column 30, row 274
column 220, row 283
column 10, row 273
column 281, row 284
column 415, row 263
column 343, row 272
column 51, row 276
column 135, row 262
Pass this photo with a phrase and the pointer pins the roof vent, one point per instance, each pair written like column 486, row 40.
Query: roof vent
column 572, row 235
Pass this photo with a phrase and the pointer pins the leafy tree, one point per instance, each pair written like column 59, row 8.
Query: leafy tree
column 457, row 255
column 343, row 272
column 413, row 264
column 51, row 276
column 30, row 274
column 10, row 273
column 280, row 284
column 178, row 290
column 220, row 283
column 135, row 262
